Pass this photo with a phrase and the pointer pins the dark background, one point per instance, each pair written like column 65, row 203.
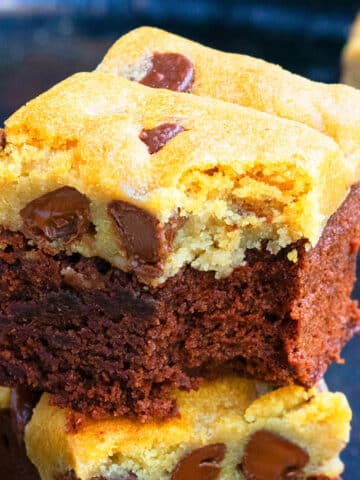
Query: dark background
column 43, row 41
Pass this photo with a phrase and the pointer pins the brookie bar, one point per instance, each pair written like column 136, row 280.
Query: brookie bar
column 231, row 429
column 151, row 238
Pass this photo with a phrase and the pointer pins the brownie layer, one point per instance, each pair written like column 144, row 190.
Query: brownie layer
column 103, row 343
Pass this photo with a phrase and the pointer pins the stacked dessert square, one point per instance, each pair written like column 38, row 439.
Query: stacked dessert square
column 176, row 268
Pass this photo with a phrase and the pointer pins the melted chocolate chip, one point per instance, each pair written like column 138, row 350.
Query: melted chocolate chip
column 201, row 464
column 143, row 237
column 157, row 137
column 268, row 456
column 23, row 402
column 2, row 138
column 170, row 70
column 59, row 215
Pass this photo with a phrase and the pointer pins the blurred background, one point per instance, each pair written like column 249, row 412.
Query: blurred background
column 44, row 41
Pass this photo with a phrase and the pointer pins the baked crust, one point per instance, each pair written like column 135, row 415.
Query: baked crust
column 251, row 82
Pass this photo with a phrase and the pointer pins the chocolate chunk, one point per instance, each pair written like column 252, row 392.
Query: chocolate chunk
column 157, row 137
column 201, row 464
column 268, row 456
column 59, row 215
column 2, row 138
column 23, row 402
column 142, row 235
column 170, row 70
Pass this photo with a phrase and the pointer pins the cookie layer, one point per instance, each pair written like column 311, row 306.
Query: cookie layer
column 198, row 181
column 228, row 430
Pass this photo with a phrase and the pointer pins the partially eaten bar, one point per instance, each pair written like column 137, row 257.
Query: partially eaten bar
column 150, row 239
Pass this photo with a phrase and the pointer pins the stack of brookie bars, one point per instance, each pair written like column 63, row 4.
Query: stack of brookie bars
column 178, row 238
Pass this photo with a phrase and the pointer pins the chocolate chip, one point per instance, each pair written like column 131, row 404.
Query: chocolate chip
column 201, row 464
column 22, row 402
column 142, row 235
column 59, row 215
column 170, row 70
column 268, row 456
column 157, row 137
column 2, row 138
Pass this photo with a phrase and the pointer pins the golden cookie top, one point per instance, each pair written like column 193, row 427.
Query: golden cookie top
column 248, row 81
column 231, row 421
column 153, row 180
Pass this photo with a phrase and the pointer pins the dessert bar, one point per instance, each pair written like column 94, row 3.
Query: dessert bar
column 231, row 429
column 150, row 239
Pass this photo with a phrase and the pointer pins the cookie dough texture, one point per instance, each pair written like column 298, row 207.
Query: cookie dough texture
column 235, row 176
column 227, row 411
